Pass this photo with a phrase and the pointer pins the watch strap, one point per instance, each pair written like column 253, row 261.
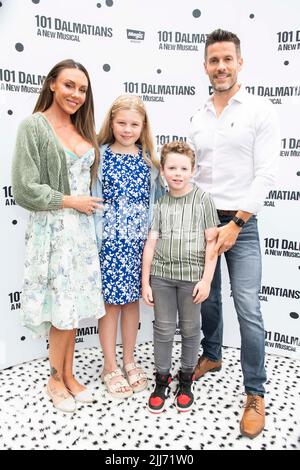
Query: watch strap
column 238, row 221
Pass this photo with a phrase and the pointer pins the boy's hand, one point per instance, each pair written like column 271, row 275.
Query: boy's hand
column 147, row 295
column 201, row 291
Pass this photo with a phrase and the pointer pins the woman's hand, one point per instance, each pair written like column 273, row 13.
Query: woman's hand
column 85, row 204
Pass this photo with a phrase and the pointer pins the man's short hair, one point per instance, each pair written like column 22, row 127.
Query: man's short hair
column 220, row 35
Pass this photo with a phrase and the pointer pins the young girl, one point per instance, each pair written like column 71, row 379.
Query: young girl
column 55, row 150
column 128, row 181
column 179, row 255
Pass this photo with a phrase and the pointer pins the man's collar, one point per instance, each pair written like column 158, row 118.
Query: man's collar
column 238, row 96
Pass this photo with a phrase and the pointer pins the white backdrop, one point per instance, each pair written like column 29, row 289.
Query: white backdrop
column 155, row 49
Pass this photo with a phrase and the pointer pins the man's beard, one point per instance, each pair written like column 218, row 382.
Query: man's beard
column 225, row 89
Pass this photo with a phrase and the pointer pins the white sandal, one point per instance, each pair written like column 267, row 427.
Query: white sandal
column 85, row 396
column 114, row 387
column 61, row 401
column 134, row 378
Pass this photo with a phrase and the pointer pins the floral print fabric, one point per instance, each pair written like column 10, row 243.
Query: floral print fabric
column 62, row 282
column 126, row 191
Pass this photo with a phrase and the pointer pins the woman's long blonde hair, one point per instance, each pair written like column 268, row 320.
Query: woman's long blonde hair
column 132, row 103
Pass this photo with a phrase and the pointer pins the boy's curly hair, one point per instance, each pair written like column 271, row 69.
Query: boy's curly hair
column 178, row 146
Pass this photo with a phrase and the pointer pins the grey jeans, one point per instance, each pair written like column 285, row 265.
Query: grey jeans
column 170, row 296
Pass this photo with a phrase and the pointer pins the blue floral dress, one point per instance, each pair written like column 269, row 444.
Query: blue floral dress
column 62, row 282
column 126, row 192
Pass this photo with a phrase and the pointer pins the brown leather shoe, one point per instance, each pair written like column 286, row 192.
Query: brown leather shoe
column 206, row 365
column 253, row 420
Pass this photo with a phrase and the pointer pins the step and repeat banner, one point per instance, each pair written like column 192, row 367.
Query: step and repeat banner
column 155, row 49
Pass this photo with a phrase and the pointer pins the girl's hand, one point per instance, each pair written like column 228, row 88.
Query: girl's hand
column 201, row 291
column 147, row 295
column 85, row 204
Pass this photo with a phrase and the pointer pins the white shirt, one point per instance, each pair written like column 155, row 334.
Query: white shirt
column 237, row 152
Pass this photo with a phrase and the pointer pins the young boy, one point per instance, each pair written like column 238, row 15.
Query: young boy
column 178, row 267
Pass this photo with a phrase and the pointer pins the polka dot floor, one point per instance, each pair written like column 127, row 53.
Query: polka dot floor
column 29, row 421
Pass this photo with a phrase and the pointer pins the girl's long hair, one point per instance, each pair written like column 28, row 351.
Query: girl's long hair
column 83, row 119
column 132, row 103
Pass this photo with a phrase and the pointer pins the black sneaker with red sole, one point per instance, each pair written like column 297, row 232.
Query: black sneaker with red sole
column 184, row 398
column 156, row 403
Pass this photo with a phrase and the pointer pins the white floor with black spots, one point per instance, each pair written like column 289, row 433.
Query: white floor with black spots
column 29, row 421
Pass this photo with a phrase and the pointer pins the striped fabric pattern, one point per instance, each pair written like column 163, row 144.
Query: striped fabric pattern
column 181, row 223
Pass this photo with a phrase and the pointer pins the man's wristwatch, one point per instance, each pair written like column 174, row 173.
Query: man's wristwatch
column 239, row 222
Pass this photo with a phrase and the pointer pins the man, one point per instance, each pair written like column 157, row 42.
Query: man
column 236, row 139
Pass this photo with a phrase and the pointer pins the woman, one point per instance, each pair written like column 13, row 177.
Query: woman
column 56, row 150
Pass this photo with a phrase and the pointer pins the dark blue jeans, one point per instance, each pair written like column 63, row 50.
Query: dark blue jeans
column 244, row 267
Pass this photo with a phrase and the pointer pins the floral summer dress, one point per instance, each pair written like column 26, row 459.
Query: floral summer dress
column 62, row 282
column 126, row 192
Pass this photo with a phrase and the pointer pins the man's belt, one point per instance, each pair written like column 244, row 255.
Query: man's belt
column 226, row 213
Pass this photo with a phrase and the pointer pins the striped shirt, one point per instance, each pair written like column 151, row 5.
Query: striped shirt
column 181, row 223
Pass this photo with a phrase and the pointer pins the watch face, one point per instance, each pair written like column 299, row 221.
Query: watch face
column 239, row 222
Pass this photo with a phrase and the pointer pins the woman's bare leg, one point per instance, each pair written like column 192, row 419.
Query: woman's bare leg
column 70, row 381
column 58, row 343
